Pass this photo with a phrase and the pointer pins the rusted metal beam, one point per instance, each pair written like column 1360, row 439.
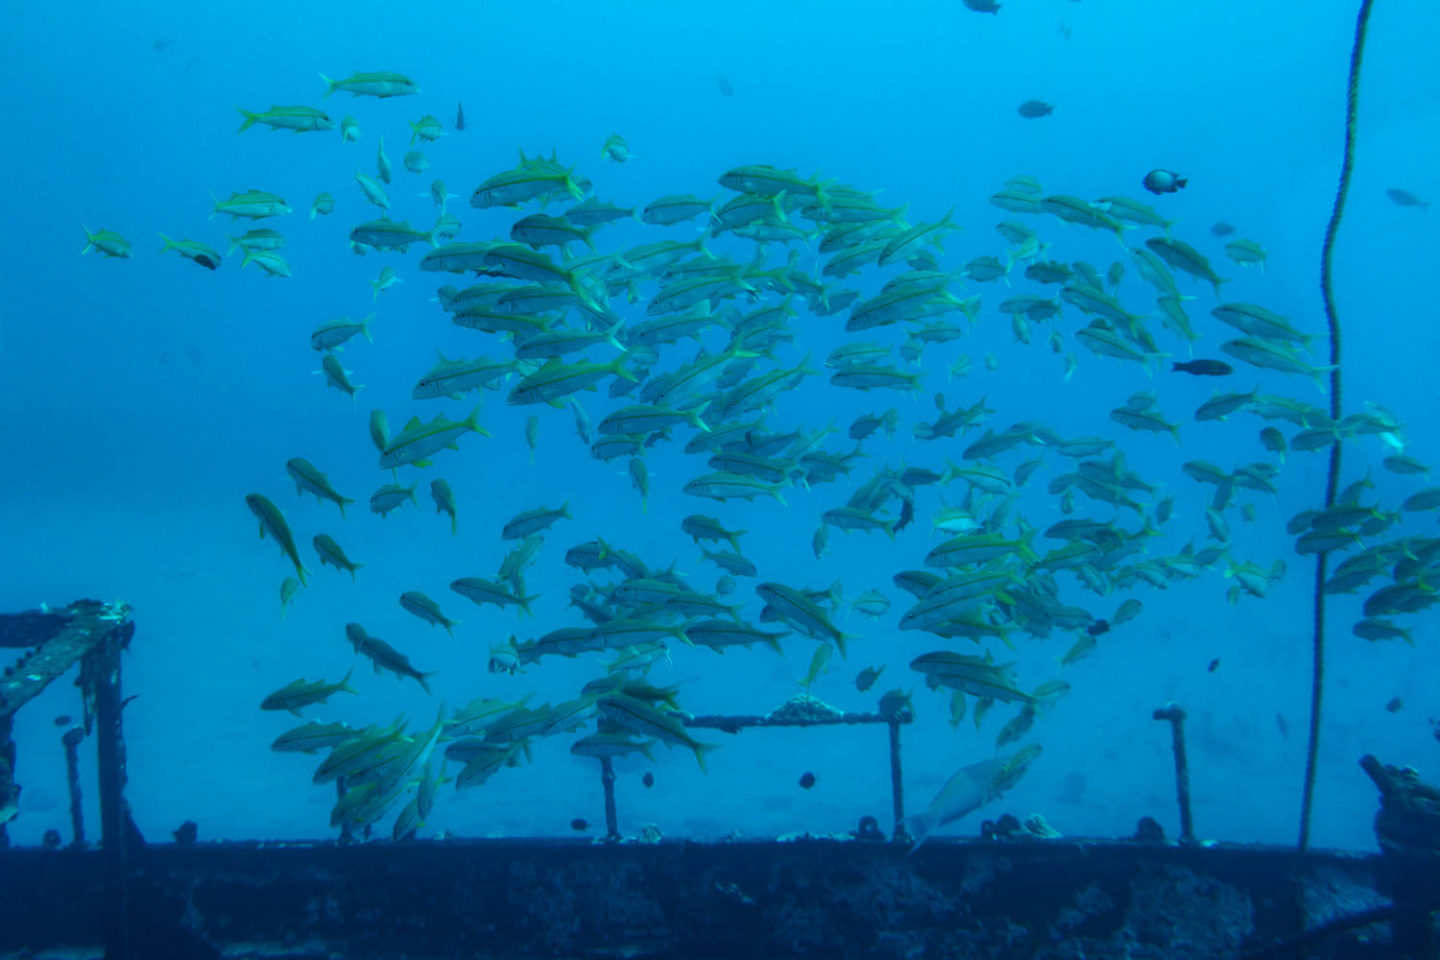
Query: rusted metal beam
column 61, row 638
column 607, row 783
column 1175, row 714
column 71, row 741
column 116, row 829
column 9, row 790
column 736, row 723
column 897, row 784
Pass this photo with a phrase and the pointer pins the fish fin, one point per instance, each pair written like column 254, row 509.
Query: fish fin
column 701, row 749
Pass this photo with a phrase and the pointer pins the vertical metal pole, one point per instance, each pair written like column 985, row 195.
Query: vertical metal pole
column 897, row 784
column 1176, row 716
column 105, row 672
column 71, row 740
column 346, row 834
column 9, row 793
column 607, row 782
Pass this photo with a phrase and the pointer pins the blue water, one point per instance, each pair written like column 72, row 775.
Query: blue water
column 144, row 398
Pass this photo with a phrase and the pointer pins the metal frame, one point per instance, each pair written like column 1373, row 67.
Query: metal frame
column 736, row 723
column 93, row 634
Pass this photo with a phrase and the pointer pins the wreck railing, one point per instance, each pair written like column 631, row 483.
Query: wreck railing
column 803, row 711
column 92, row 634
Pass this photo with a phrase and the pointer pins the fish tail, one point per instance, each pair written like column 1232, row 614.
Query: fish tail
column 330, row 85
column 778, row 202
column 701, row 749
column 250, row 119
column 473, row 422
column 618, row 368
column 610, row 336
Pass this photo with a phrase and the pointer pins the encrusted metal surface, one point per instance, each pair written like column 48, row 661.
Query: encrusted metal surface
column 61, row 637
column 821, row 898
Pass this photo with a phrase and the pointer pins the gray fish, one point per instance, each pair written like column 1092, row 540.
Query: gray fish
column 1404, row 198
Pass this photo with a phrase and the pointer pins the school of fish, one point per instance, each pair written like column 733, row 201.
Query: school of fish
column 690, row 338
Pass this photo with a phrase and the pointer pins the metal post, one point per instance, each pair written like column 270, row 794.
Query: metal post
column 897, row 784
column 71, row 740
column 1175, row 714
column 9, row 792
column 607, row 782
column 105, row 672
column 346, row 834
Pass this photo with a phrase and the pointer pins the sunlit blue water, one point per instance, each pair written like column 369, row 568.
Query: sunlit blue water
column 144, row 398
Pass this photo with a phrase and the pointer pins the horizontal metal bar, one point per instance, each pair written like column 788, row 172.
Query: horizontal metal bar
column 733, row 724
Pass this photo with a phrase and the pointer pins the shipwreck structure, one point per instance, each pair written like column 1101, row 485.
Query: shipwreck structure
column 1015, row 892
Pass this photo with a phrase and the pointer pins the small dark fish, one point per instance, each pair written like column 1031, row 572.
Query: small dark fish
column 1404, row 198
column 1213, row 664
column 648, row 779
column 1031, row 109
column 725, row 89
column 579, row 824
column 63, row 720
column 1163, row 181
column 1203, row 368
column 983, row 6
column 1098, row 627
column 459, row 116
column 866, row 678
column 1222, row 229
column 807, row 780
column 1280, row 722
column 205, row 261
column 1394, row 705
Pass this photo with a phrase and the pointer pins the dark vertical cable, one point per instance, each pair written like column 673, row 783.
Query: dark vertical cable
column 1332, row 479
